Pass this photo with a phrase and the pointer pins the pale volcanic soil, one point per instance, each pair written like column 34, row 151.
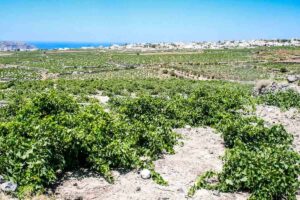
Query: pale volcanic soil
column 201, row 151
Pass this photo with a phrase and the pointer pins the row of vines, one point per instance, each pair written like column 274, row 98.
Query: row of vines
column 48, row 132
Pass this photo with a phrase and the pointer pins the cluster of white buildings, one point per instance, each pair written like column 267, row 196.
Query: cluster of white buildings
column 206, row 45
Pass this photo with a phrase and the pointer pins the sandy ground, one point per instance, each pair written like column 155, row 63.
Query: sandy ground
column 201, row 152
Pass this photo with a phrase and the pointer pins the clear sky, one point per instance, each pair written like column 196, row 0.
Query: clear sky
column 148, row 20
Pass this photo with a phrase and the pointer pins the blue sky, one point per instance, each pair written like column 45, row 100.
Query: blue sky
column 148, row 20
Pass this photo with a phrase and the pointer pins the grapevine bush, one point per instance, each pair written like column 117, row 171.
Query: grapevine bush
column 283, row 99
column 51, row 133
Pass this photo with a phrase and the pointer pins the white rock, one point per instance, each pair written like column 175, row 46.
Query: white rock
column 8, row 187
column 292, row 78
column 188, row 127
column 145, row 174
column 103, row 99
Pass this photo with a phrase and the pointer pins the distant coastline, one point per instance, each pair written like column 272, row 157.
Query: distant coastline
column 31, row 46
column 68, row 45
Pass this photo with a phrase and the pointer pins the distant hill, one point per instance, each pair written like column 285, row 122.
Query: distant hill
column 15, row 46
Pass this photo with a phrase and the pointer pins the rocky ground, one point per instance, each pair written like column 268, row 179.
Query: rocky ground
column 290, row 119
column 201, row 151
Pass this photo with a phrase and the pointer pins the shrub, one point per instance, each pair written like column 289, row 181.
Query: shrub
column 165, row 71
column 270, row 173
column 283, row 70
column 267, row 173
column 252, row 132
column 51, row 133
column 283, row 99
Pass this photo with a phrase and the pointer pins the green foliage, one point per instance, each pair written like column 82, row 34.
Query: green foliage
column 283, row 99
column 202, row 182
column 50, row 132
column 252, row 132
column 206, row 105
column 270, row 173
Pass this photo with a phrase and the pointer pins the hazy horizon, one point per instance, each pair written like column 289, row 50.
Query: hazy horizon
column 132, row 21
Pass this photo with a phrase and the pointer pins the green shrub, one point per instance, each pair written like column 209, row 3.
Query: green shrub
column 252, row 132
column 283, row 70
column 270, row 173
column 283, row 99
column 51, row 133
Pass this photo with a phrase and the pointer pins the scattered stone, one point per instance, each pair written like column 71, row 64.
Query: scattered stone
column 145, row 174
column 260, row 85
column 3, row 103
column 69, row 173
column 180, row 190
column 8, row 186
column 49, row 192
column 188, row 127
column 1, row 179
column 116, row 174
column 145, row 158
column 264, row 88
column 216, row 193
column 292, row 78
column 138, row 189
column 78, row 198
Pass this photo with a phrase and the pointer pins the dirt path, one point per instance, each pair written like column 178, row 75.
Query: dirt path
column 201, row 152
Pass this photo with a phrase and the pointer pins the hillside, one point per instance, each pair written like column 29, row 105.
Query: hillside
column 15, row 46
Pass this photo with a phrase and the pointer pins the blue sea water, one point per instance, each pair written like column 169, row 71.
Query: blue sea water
column 71, row 45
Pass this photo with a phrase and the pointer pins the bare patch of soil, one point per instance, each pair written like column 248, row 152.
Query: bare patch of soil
column 201, row 152
column 5, row 54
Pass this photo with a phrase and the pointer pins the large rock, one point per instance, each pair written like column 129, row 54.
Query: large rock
column 8, row 187
column 292, row 78
column 264, row 88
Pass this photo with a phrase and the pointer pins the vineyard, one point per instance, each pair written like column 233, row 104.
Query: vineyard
column 107, row 111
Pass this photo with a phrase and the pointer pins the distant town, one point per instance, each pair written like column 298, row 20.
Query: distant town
column 22, row 46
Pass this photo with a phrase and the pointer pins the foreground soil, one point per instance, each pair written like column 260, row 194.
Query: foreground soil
column 201, row 151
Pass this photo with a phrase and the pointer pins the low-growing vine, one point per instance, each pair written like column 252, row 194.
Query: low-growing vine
column 52, row 133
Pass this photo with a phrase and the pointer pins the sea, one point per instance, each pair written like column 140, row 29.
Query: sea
column 70, row 45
